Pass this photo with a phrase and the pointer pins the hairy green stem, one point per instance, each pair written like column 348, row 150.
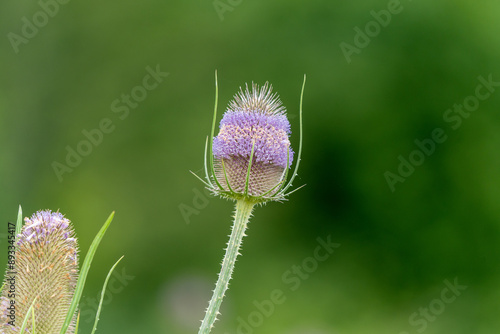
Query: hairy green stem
column 242, row 214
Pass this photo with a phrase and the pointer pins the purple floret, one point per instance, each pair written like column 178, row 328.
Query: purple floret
column 42, row 225
column 239, row 129
column 255, row 118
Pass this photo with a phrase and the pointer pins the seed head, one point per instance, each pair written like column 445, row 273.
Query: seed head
column 46, row 270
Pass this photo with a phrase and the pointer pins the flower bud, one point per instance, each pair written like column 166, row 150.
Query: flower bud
column 252, row 151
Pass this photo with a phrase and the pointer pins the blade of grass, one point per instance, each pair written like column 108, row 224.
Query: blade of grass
column 102, row 294
column 77, row 322
column 83, row 273
column 26, row 317
column 19, row 223
column 33, row 318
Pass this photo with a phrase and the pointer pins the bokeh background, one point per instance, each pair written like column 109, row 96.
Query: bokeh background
column 398, row 247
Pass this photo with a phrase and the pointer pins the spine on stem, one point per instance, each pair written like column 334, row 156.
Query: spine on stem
column 242, row 215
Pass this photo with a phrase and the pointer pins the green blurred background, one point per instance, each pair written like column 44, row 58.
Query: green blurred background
column 397, row 248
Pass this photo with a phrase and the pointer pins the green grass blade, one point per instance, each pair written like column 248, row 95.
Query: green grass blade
column 27, row 316
column 77, row 322
column 102, row 294
column 19, row 223
column 33, row 318
column 83, row 273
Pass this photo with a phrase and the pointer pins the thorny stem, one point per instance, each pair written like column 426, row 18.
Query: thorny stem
column 242, row 215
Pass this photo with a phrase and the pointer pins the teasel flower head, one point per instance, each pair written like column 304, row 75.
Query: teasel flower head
column 251, row 155
column 46, row 274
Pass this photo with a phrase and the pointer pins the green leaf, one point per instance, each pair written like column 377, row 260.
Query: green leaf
column 102, row 294
column 27, row 316
column 33, row 318
column 77, row 322
column 19, row 223
column 83, row 273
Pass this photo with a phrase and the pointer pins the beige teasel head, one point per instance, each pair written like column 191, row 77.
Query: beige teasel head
column 47, row 273
column 251, row 155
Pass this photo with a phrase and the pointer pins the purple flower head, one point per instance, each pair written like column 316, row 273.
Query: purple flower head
column 251, row 155
column 46, row 266
column 240, row 130
column 254, row 131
